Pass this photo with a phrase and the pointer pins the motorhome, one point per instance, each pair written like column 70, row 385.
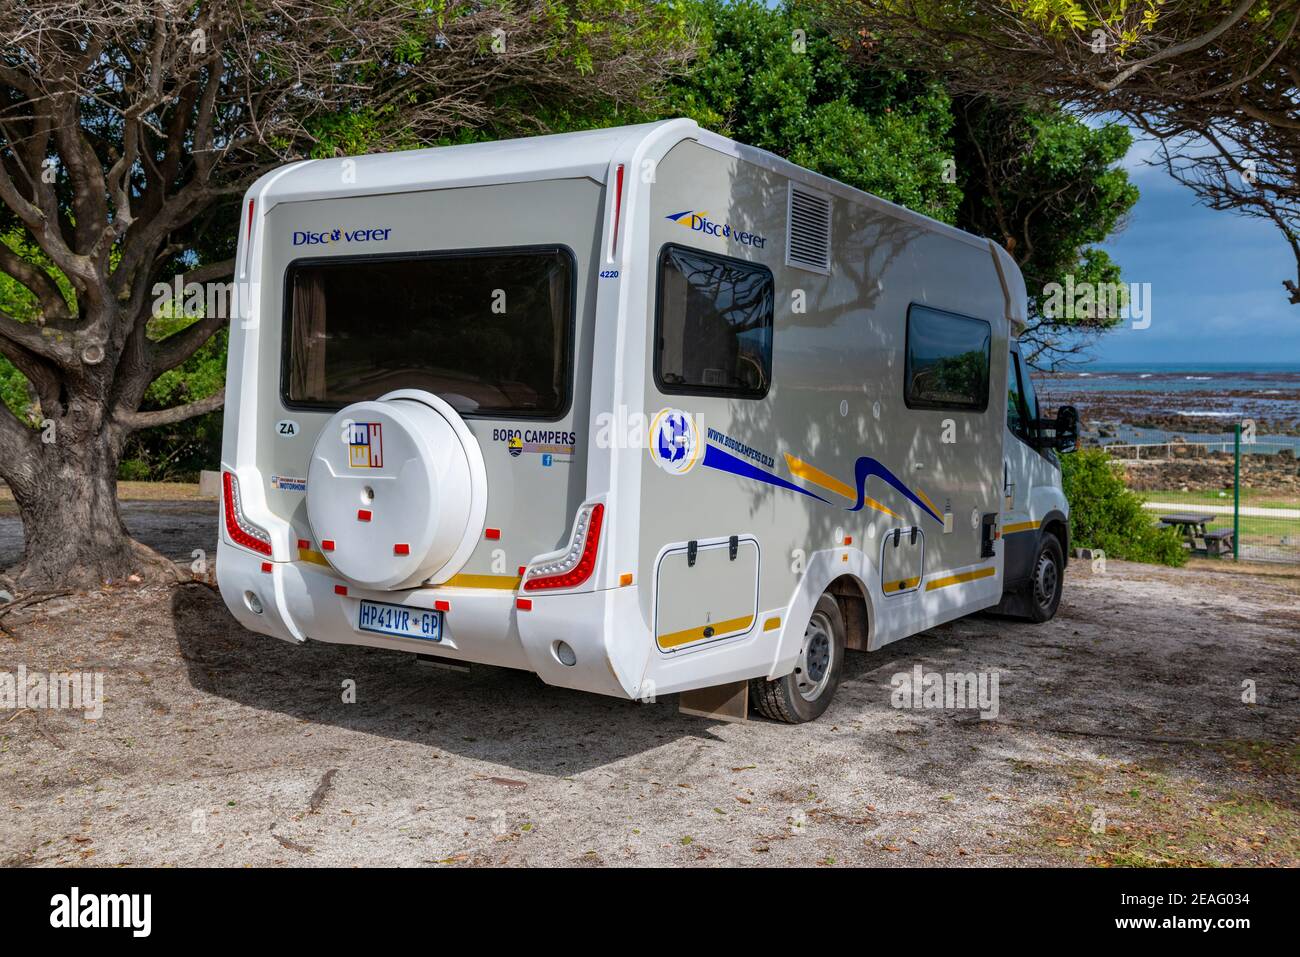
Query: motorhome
column 641, row 410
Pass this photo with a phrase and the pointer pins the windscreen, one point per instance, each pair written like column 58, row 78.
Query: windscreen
column 488, row 331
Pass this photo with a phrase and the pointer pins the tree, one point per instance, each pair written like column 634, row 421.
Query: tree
column 1046, row 187
column 1033, row 178
column 776, row 79
column 127, row 129
column 1215, row 81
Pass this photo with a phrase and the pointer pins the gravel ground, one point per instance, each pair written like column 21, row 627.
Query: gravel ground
column 1121, row 738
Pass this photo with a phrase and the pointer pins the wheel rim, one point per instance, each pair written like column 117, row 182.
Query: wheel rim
column 812, row 673
column 1046, row 580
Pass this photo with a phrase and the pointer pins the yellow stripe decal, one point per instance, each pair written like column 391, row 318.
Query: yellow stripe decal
column 815, row 475
column 810, row 473
column 902, row 585
column 957, row 579
column 1020, row 527
column 720, row 629
column 926, row 499
column 872, row 503
column 507, row 582
column 772, row 624
column 504, row 582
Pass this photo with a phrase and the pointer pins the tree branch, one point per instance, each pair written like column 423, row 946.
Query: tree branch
column 179, row 413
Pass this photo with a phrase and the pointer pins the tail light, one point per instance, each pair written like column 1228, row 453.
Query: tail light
column 576, row 565
column 241, row 530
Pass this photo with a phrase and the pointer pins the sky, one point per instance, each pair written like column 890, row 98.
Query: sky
column 1216, row 280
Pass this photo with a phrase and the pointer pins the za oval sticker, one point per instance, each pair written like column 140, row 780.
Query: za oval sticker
column 286, row 429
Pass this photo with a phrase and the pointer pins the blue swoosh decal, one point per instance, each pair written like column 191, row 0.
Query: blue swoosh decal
column 867, row 467
column 716, row 458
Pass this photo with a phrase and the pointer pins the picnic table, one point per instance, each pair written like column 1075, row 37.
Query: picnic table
column 1192, row 526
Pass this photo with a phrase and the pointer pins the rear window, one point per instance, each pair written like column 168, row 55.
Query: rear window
column 488, row 331
column 714, row 328
column 947, row 361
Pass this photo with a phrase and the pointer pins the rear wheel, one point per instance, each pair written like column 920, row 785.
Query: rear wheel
column 1048, row 580
column 806, row 692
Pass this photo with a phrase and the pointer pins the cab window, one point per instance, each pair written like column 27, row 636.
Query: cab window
column 1022, row 403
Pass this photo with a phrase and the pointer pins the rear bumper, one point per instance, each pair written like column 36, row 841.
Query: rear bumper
column 483, row 625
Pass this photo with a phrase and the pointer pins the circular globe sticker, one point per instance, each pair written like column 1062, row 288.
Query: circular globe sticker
column 674, row 441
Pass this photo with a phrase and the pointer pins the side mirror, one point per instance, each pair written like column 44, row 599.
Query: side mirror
column 1066, row 429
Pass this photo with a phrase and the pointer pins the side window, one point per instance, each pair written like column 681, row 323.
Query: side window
column 1015, row 402
column 713, row 331
column 1027, row 389
column 947, row 364
column 1022, row 404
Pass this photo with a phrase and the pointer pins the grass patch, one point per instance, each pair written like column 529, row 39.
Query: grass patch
column 1131, row 816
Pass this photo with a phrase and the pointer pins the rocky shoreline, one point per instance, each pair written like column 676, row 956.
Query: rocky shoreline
column 1218, row 412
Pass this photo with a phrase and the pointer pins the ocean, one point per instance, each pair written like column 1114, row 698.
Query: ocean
column 1138, row 402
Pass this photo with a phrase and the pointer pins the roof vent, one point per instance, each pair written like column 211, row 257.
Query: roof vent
column 808, row 236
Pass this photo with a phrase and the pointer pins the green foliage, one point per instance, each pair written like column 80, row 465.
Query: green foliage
column 178, row 452
column 1105, row 514
column 883, row 131
column 1048, row 187
column 17, row 301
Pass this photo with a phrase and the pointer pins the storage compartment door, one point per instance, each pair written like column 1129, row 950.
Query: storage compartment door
column 902, row 560
column 705, row 591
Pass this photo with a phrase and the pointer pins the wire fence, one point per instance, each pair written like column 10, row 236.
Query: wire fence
column 1234, row 495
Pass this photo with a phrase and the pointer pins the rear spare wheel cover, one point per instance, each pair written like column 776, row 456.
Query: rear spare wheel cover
column 396, row 491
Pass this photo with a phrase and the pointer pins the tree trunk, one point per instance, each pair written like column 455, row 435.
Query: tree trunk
column 73, row 531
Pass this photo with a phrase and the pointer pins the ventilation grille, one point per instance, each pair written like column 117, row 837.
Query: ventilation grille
column 808, row 242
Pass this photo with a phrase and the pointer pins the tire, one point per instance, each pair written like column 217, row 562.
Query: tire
column 1047, row 581
column 806, row 692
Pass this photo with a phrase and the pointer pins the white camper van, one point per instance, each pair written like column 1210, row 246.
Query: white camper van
column 642, row 410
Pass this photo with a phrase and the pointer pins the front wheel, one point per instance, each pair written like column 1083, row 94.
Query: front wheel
column 1048, row 580
column 806, row 692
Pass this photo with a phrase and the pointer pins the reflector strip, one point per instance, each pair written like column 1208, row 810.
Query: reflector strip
column 442, row 606
column 618, row 209
column 524, row 604
column 266, row 567
column 327, row 545
column 340, row 589
column 401, row 548
column 363, row 515
column 492, row 533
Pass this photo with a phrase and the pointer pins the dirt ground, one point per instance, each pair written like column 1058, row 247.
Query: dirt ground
column 1122, row 738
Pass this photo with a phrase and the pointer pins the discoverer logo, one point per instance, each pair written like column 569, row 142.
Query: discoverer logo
column 697, row 220
column 331, row 236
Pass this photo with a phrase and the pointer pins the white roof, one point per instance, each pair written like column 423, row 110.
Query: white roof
column 560, row 156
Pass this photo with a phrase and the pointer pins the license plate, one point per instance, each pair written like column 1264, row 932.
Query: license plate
column 383, row 619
